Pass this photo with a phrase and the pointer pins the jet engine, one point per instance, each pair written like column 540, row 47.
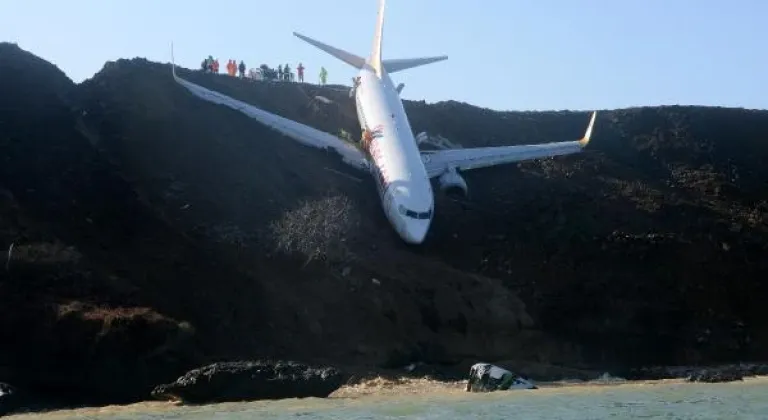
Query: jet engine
column 453, row 183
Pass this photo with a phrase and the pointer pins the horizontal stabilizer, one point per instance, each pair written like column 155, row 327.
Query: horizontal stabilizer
column 398, row 64
column 347, row 57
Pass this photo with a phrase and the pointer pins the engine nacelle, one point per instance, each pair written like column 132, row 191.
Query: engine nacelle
column 451, row 182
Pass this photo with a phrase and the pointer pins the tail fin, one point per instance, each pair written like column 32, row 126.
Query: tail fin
column 377, row 39
column 375, row 60
column 347, row 57
column 395, row 65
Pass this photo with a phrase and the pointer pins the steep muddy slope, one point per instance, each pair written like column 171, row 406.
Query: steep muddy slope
column 631, row 248
column 153, row 231
column 338, row 283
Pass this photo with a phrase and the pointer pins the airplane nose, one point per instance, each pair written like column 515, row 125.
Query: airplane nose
column 414, row 231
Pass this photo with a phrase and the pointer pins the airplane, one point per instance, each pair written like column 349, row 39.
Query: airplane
column 388, row 150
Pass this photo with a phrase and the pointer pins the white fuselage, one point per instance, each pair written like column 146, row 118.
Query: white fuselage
column 395, row 161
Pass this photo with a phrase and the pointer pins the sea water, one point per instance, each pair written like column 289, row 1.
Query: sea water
column 667, row 400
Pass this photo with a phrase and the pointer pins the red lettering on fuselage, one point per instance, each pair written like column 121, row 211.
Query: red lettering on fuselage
column 370, row 144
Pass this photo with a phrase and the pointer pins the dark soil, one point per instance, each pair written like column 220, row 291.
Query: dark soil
column 154, row 233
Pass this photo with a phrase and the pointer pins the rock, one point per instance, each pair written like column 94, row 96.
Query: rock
column 251, row 380
column 8, row 399
column 485, row 377
column 712, row 374
column 716, row 375
column 5, row 390
column 547, row 372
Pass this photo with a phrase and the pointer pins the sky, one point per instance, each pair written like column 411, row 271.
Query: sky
column 502, row 54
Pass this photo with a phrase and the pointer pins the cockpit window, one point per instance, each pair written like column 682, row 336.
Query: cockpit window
column 415, row 215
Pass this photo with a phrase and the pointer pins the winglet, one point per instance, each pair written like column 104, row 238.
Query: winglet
column 588, row 134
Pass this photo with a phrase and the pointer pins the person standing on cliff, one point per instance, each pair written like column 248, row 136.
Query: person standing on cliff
column 300, row 71
column 323, row 75
column 229, row 67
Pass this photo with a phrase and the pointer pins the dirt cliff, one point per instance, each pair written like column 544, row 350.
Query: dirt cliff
column 153, row 232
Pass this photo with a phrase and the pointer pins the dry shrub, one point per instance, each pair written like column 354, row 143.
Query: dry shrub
column 318, row 229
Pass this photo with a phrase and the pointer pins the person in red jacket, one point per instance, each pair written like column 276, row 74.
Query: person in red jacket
column 300, row 70
column 216, row 66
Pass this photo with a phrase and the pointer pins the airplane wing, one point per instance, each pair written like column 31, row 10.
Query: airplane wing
column 438, row 161
column 302, row 133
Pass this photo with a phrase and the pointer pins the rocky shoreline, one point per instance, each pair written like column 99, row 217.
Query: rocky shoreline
column 251, row 380
column 711, row 374
column 272, row 380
